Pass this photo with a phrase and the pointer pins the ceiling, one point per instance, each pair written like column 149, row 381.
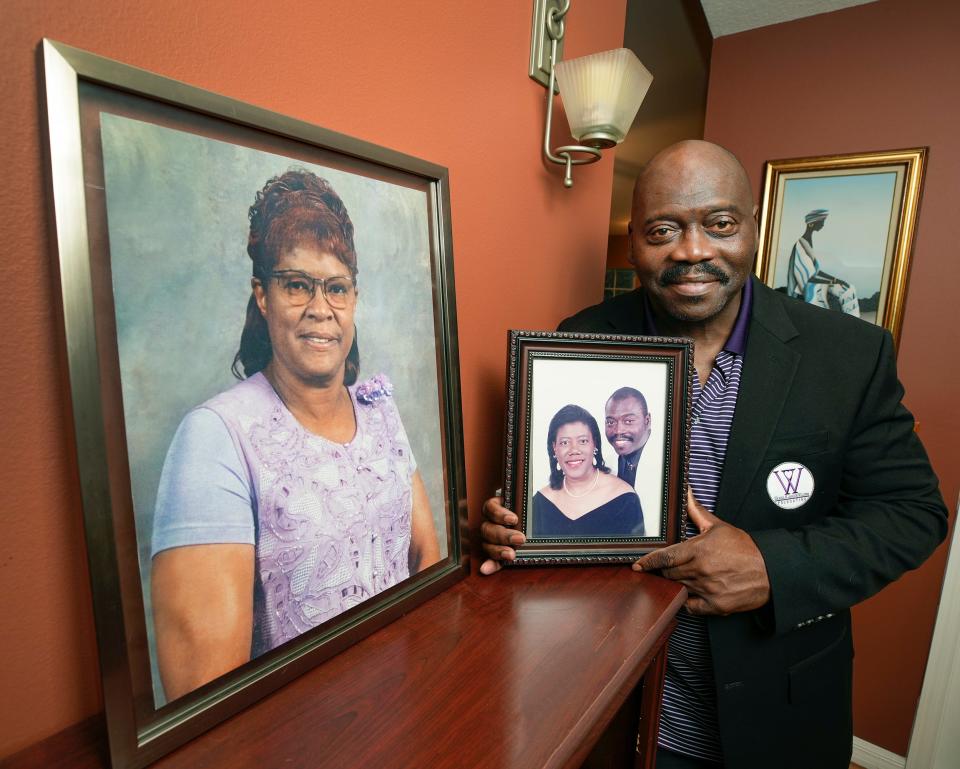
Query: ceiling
column 727, row 17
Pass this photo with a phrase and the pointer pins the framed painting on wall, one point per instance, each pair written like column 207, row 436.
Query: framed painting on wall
column 261, row 338
column 837, row 231
column 597, row 442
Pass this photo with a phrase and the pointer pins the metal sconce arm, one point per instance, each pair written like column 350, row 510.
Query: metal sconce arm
column 562, row 155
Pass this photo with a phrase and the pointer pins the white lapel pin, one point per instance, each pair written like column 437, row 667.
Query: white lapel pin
column 790, row 485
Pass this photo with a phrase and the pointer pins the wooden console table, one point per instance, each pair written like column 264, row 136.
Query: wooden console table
column 522, row 670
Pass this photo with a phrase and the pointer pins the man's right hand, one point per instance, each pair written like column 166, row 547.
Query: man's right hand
column 499, row 541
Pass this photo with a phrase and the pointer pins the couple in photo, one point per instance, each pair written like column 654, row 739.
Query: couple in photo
column 583, row 497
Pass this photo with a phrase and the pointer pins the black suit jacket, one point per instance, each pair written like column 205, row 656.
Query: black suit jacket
column 820, row 388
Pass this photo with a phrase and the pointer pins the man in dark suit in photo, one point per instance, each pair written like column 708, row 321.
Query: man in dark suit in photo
column 627, row 425
column 809, row 489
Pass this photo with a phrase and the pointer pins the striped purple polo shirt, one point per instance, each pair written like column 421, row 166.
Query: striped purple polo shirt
column 688, row 720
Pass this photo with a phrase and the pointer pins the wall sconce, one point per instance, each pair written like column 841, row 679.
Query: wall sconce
column 601, row 93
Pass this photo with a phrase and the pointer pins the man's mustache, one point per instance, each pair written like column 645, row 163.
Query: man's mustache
column 677, row 272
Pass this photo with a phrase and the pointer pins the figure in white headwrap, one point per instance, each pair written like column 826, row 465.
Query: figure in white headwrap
column 805, row 279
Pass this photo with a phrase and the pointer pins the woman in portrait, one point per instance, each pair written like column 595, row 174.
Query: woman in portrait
column 293, row 495
column 582, row 498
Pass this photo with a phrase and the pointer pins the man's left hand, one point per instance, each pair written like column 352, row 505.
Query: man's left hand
column 721, row 566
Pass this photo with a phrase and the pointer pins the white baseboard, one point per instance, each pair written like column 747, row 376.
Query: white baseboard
column 871, row 756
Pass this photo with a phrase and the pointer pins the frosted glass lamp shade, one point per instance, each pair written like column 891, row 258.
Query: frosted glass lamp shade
column 601, row 95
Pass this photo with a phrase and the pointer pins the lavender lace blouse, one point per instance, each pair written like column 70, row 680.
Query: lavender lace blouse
column 330, row 522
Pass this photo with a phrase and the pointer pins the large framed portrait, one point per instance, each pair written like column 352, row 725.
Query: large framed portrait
column 597, row 447
column 837, row 231
column 262, row 348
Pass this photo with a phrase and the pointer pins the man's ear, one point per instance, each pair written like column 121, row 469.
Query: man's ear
column 630, row 256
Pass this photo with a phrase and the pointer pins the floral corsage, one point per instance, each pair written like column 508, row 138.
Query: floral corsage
column 374, row 389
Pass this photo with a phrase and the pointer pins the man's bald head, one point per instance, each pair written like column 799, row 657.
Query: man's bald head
column 692, row 158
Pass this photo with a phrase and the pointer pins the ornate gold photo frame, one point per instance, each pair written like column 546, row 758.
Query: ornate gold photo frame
column 837, row 230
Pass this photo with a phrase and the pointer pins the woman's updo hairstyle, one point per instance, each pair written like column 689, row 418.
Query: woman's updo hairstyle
column 296, row 208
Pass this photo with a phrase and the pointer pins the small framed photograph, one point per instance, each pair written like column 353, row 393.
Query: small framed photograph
column 597, row 444
column 837, row 231
column 262, row 349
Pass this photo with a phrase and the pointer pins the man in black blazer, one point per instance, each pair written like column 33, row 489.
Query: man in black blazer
column 825, row 496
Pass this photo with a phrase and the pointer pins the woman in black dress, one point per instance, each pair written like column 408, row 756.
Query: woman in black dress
column 582, row 498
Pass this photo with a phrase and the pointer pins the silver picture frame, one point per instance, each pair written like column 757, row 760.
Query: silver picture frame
column 88, row 97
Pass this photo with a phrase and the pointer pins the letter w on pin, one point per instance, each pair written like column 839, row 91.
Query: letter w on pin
column 789, row 479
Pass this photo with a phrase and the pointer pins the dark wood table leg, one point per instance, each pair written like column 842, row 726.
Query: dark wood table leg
column 649, row 727
column 630, row 740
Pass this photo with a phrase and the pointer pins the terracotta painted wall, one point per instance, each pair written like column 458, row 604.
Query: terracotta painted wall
column 527, row 251
column 879, row 76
